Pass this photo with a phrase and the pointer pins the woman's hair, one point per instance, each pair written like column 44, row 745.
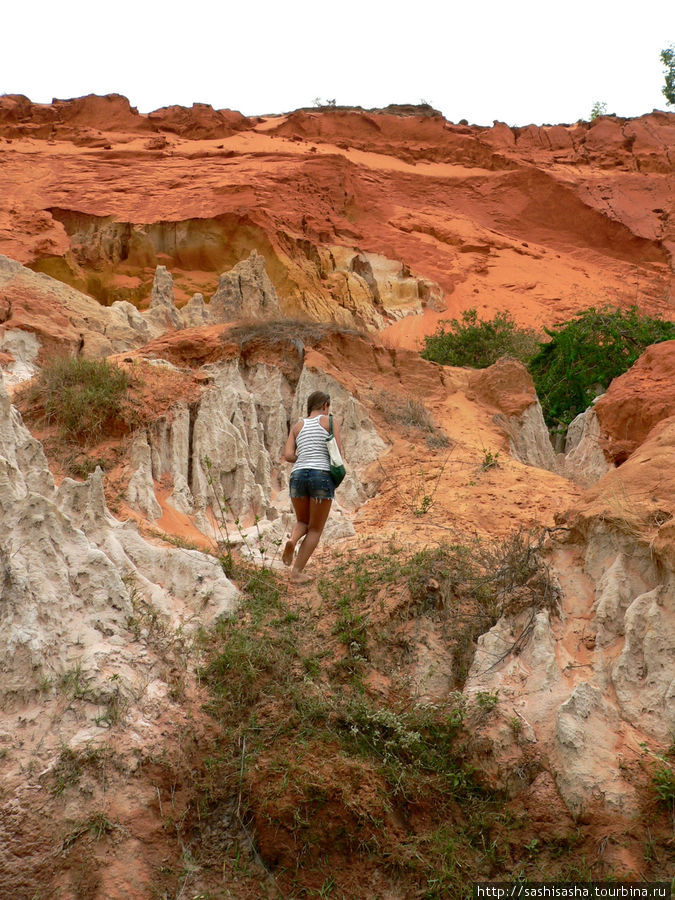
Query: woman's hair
column 316, row 401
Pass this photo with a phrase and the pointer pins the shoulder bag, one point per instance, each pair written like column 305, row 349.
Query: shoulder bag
column 337, row 467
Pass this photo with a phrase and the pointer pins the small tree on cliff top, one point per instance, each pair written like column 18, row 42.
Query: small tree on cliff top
column 599, row 109
column 668, row 60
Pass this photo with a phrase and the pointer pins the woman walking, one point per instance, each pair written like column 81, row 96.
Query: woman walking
column 311, row 486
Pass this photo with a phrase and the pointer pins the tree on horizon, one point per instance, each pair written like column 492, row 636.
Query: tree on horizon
column 668, row 60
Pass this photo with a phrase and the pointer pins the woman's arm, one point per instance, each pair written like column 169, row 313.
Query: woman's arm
column 289, row 454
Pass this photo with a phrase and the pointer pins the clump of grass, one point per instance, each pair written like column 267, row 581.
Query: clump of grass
column 74, row 683
column 298, row 331
column 245, row 665
column 348, row 588
column 487, row 700
column 410, row 412
column 83, row 397
column 81, row 466
column 72, row 764
column 515, row 724
column 251, row 654
column 490, row 460
column 472, row 585
column 96, row 827
column 663, row 780
column 418, row 738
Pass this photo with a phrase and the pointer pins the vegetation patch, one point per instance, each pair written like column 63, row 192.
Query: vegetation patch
column 349, row 590
column 95, row 827
column 329, row 784
column 569, row 370
column 72, row 764
column 299, row 331
column 585, row 354
column 409, row 412
column 478, row 343
column 470, row 586
column 84, row 398
column 663, row 780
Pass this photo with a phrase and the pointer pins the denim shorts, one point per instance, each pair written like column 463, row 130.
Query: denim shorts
column 314, row 483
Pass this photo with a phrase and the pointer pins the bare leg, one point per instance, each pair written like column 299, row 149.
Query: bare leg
column 318, row 514
column 301, row 508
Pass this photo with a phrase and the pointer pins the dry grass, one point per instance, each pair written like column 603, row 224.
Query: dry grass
column 402, row 409
column 300, row 331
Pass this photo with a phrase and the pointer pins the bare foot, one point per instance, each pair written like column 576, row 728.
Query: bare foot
column 287, row 555
column 300, row 578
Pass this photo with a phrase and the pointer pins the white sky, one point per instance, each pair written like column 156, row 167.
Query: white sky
column 517, row 61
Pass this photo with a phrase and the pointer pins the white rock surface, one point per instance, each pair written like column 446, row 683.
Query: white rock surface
column 597, row 679
column 245, row 292
column 529, row 440
column 162, row 314
column 586, row 734
column 228, row 433
column 195, row 313
column 614, row 593
column 584, row 460
column 644, row 673
column 71, row 575
column 140, row 491
column 127, row 327
column 24, row 347
column 240, row 426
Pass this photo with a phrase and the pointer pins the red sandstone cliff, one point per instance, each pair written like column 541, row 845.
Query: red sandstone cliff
column 362, row 217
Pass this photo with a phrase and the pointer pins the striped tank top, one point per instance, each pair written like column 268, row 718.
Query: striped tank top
column 310, row 446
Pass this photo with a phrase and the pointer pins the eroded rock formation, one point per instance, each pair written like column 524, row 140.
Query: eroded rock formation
column 596, row 684
column 71, row 573
column 638, row 400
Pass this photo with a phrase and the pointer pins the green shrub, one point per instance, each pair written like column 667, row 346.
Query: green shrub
column 663, row 780
column 478, row 343
column 585, row 354
column 82, row 396
column 421, row 738
column 599, row 109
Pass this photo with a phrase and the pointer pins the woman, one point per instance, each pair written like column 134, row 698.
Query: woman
column 311, row 486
